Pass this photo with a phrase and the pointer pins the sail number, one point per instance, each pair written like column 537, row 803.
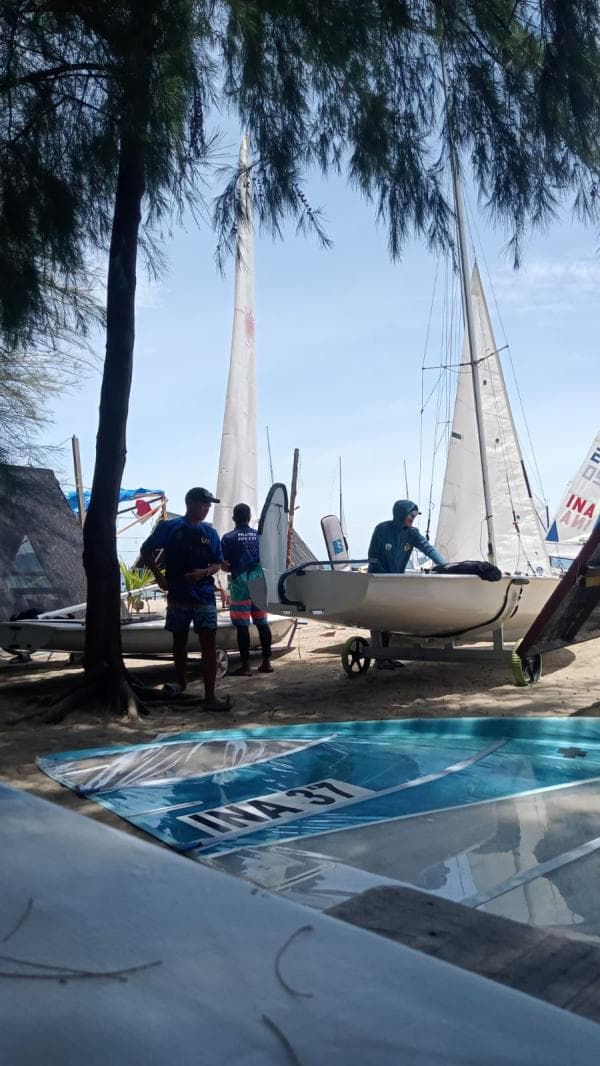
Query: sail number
column 235, row 819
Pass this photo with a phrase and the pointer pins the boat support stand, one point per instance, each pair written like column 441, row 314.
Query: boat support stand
column 359, row 652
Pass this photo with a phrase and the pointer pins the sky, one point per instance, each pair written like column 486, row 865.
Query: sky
column 341, row 338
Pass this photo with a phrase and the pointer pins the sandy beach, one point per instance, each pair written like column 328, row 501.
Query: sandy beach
column 308, row 685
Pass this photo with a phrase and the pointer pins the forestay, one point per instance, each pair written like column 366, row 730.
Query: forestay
column 461, row 532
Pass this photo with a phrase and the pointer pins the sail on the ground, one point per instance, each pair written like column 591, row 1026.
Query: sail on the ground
column 578, row 510
column 237, row 477
column 461, row 532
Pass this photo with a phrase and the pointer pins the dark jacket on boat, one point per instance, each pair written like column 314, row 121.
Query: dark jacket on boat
column 392, row 543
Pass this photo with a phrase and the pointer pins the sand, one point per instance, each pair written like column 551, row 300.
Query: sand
column 308, row 685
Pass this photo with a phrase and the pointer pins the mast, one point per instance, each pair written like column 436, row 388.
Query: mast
column 78, row 479
column 293, row 491
column 341, row 498
column 270, row 457
column 470, row 324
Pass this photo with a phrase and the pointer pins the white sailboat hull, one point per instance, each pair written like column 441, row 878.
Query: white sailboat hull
column 421, row 605
column 138, row 638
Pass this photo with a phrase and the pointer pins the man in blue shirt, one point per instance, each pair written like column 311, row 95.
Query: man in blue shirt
column 390, row 549
column 242, row 561
column 192, row 554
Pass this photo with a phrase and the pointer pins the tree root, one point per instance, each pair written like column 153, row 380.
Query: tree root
column 100, row 687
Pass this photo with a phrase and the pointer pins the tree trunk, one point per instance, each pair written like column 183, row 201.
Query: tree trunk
column 103, row 655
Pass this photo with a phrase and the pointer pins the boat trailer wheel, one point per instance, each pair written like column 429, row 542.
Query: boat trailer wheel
column 526, row 671
column 355, row 656
column 222, row 662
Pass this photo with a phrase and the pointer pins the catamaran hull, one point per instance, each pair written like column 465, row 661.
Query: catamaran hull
column 421, row 605
column 138, row 638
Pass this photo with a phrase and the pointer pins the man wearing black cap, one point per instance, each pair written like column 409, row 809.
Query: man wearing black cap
column 192, row 554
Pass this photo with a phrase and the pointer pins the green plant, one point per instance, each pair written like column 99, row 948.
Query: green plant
column 134, row 580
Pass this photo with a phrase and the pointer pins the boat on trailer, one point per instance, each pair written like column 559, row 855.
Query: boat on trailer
column 487, row 511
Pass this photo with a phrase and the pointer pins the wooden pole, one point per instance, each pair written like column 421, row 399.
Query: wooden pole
column 293, row 491
column 78, row 479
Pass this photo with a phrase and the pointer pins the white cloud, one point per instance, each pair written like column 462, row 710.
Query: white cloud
column 549, row 284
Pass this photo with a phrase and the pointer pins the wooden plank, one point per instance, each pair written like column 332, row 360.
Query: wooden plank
column 572, row 613
column 560, row 970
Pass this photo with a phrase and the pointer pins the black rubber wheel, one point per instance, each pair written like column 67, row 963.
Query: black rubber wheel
column 526, row 671
column 355, row 656
column 222, row 662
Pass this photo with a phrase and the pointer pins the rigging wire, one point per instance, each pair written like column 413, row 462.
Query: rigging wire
column 423, row 368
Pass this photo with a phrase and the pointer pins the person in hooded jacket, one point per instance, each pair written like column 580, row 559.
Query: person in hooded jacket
column 393, row 542
column 390, row 549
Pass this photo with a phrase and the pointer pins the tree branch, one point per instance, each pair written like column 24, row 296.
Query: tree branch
column 54, row 72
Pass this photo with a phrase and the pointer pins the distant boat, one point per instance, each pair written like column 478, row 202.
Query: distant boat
column 577, row 512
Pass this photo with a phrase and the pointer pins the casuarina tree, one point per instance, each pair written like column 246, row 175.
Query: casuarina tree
column 105, row 123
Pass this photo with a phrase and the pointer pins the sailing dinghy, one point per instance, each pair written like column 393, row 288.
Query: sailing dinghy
column 487, row 511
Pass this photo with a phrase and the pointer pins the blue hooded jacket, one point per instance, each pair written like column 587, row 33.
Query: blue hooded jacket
column 392, row 543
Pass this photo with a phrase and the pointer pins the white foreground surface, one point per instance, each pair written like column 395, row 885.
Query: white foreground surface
column 231, row 986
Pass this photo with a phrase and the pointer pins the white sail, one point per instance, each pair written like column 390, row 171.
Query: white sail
column 237, row 477
column 461, row 532
column 578, row 510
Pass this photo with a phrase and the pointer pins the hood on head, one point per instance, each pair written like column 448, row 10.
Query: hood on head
column 401, row 509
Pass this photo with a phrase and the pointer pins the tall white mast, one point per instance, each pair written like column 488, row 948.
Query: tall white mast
column 237, row 477
column 470, row 326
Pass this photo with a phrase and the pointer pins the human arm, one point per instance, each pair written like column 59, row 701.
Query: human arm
column 374, row 553
column 201, row 573
column 422, row 544
column 156, row 541
column 226, row 564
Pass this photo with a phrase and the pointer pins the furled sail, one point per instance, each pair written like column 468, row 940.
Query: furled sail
column 237, row 476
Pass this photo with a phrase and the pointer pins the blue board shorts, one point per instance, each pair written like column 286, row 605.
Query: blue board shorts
column 203, row 615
